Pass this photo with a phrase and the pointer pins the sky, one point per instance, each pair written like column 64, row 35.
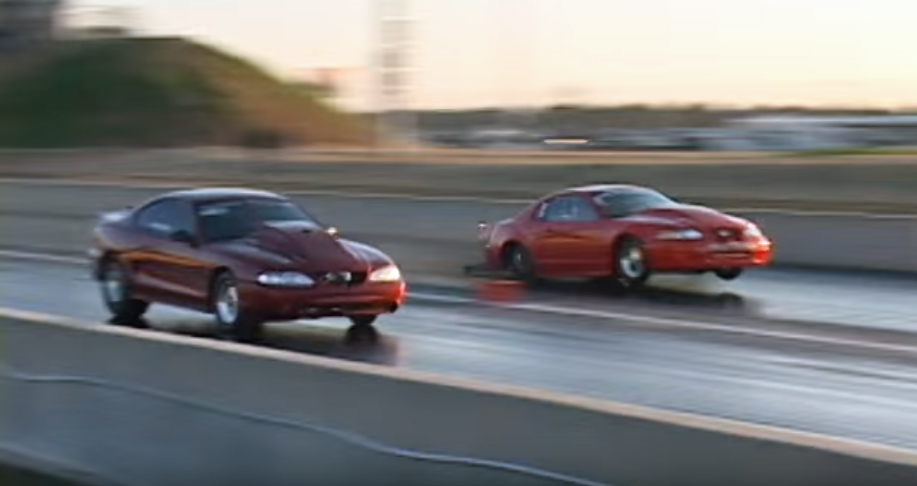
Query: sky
column 474, row 53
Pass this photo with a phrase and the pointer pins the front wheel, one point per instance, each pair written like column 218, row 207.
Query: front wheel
column 728, row 273
column 630, row 264
column 362, row 329
column 116, row 293
column 363, row 321
column 231, row 318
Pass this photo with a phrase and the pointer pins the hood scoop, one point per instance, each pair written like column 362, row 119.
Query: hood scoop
column 302, row 241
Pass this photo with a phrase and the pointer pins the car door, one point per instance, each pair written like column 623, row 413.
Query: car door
column 544, row 242
column 589, row 243
column 566, row 237
column 168, row 264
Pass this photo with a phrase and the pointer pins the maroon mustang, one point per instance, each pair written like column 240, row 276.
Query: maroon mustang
column 245, row 256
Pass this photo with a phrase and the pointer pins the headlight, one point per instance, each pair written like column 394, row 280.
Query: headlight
column 752, row 231
column 681, row 235
column 285, row 279
column 389, row 273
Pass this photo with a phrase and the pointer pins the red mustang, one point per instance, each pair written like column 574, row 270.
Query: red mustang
column 245, row 256
column 623, row 232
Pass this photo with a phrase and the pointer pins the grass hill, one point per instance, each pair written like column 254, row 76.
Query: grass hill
column 157, row 93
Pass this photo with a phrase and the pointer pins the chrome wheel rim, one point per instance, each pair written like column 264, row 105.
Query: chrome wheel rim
column 113, row 284
column 228, row 304
column 632, row 264
column 519, row 262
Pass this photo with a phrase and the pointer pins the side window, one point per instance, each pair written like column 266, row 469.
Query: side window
column 556, row 210
column 568, row 209
column 166, row 217
column 224, row 221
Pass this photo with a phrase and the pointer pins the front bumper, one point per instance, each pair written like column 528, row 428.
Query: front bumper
column 322, row 301
column 704, row 256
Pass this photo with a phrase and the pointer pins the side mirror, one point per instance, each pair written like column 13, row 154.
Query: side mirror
column 182, row 236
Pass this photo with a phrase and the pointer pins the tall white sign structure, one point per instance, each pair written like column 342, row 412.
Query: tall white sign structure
column 393, row 69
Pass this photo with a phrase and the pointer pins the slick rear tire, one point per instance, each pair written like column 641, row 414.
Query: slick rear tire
column 630, row 264
column 232, row 320
column 115, row 283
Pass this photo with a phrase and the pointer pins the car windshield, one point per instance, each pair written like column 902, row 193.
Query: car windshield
column 619, row 204
column 231, row 220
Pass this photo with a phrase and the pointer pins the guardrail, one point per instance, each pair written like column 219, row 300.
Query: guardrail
column 137, row 408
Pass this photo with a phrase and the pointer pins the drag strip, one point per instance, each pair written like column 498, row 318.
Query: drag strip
column 435, row 237
column 823, row 389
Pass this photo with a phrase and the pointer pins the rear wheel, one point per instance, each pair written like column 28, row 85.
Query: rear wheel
column 728, row 273
column 231, row 318
column 116, row 293
column 520, row 263
column 631, row 267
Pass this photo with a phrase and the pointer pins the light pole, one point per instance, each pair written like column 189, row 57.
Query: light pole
column 392, row 65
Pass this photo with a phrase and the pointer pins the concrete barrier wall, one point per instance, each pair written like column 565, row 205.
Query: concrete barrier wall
column 431, row 235
column 138, row 408
column 843, row 241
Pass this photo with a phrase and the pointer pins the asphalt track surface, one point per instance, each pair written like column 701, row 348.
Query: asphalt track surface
column 834, row 353
column 843, row 390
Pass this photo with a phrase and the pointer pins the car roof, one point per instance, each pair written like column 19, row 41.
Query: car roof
column 596, row 188
column 217, row 193
column 605, row 188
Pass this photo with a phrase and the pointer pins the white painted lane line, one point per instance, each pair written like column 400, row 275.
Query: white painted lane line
column 42, row 257
column 683, row 324
column 672, row 323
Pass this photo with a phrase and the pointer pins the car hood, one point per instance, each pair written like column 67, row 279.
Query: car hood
column 690, row 215
column 305, row 247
